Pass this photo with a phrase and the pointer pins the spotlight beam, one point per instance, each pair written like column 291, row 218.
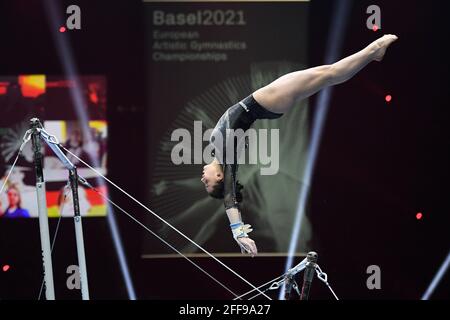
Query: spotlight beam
column 334, row 44
column 53, row 10
column 437, row 278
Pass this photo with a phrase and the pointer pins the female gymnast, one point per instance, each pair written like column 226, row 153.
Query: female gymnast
column 271, row 102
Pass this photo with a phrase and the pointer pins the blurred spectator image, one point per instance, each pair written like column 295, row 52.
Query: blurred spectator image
column 14, row 209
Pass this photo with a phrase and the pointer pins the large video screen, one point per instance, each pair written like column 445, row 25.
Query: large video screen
column 72, row 110
column 203, row 58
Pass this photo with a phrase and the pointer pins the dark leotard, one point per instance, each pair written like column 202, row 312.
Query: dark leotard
column 239, row 116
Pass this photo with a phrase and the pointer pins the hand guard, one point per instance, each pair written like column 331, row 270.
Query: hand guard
column 240, row 230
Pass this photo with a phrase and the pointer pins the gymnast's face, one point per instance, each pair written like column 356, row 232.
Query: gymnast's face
column 212, row 174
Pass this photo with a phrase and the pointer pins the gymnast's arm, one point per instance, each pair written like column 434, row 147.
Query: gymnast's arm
column 240, row 231
column 238, row 228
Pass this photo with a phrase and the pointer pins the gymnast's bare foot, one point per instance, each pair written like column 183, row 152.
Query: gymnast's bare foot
column 381, row 45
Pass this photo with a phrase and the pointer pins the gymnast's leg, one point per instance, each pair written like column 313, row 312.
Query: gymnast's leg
column 280, row 95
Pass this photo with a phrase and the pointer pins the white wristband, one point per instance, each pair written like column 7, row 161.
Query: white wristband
column 240, row 230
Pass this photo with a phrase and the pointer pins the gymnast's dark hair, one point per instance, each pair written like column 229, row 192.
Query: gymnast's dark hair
column 218, row 191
